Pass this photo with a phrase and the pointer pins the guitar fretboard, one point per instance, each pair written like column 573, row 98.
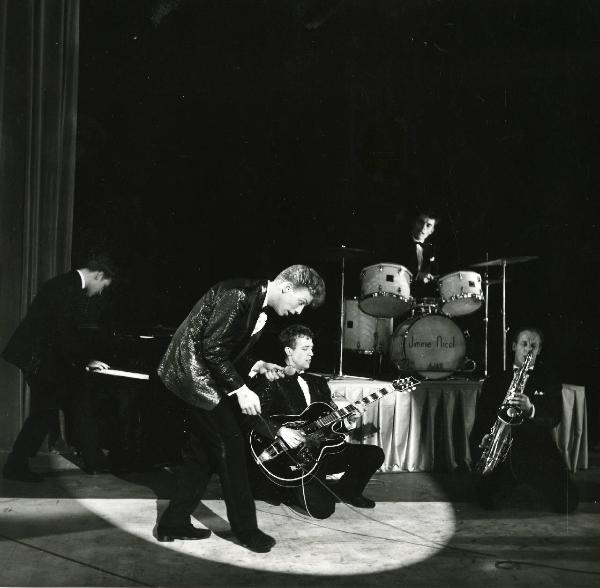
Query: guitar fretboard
column 400, row 385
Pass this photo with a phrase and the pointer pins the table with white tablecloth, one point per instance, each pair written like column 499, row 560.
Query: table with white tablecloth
column 419, row 431
column 428, row 429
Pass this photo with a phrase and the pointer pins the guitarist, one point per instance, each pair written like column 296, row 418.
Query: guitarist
column 291, row 395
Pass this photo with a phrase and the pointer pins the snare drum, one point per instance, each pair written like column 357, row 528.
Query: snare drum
column 431, row 345
column 385, row 290
column 364, row 333
column 460, row 292
column 425, row 306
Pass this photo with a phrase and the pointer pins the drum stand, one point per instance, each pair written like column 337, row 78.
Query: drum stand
column 503, row 314
column 340, row 373
column 486, row 319
column 342, row 253
column 502, row 262
column 486, row 322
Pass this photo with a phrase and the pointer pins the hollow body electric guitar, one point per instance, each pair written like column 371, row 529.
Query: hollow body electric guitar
column 321, row 426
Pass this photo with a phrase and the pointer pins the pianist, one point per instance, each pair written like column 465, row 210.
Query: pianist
column 48, row 348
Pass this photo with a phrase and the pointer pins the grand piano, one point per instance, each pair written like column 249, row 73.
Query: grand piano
column 139, row 422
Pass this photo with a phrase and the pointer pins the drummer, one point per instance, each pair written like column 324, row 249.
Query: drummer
column 417, row 253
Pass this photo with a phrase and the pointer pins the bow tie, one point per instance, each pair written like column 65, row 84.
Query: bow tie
column 295, row 375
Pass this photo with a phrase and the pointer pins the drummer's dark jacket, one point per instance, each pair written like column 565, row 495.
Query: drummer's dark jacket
column 285, row 397
column 532, row 440
column 48, row 340
column 406, row 255
column 208, row 351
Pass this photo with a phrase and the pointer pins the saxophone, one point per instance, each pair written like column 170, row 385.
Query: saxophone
column 497, row 443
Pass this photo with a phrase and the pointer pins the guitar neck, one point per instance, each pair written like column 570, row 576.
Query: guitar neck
column 400, row 385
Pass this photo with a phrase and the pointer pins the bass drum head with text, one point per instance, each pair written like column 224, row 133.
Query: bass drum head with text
column 431, row 345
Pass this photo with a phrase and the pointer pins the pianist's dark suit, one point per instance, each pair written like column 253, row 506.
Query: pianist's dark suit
column 49, row 349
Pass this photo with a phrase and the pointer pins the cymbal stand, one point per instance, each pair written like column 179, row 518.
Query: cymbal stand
column 504, row 314
column 340, row 373
column 486, row 320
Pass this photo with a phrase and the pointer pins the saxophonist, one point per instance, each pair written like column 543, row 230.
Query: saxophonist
column 534, row 458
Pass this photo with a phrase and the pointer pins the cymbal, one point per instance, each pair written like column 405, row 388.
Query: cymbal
column 493, row 282
column 508, row 260
column 336, row 253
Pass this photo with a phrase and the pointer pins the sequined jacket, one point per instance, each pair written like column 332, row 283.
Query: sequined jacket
column 208, row 351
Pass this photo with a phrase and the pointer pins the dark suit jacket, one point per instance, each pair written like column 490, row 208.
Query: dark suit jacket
column 208, row 350
column 284, row 396
column 47, row 341
column 533, row 438
column 406, row 255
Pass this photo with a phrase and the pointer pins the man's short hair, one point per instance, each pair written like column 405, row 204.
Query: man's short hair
column 517, row 332
column 102, row 262
column 291, row 334
column 302, row 276
column 427, row 211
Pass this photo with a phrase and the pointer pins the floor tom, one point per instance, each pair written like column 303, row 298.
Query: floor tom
column 364, row 333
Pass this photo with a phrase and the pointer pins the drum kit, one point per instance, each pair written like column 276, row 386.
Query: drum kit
column 425, row 338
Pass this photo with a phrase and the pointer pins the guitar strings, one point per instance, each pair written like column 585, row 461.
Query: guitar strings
column 412, row 382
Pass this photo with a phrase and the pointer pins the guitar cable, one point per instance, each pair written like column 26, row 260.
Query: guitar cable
column 423, row 541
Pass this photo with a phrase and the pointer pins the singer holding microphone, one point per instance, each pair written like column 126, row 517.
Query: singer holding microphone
column 207, row 365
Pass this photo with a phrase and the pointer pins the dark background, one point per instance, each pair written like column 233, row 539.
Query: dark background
column 233, row 138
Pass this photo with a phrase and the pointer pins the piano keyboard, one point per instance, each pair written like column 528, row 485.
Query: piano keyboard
column 122, row 373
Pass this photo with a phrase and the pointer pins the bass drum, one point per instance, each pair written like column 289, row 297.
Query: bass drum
column 431, row 345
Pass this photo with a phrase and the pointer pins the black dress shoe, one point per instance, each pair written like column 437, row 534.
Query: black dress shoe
column 166, row 533
column 20, row 473
column 359, row 501
column 256, row 540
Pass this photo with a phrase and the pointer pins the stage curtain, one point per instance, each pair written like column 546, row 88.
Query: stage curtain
column 39, row 48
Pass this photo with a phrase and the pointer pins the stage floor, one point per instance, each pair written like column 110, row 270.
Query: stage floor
column 80, row 530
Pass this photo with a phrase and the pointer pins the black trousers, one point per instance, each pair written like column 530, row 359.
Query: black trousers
column 73, row 396
column 544, row 471
column 216, row 444
column 358, row 462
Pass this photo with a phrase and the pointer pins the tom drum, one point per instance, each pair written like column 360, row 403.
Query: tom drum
column 385, row 290
column 460, row 292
